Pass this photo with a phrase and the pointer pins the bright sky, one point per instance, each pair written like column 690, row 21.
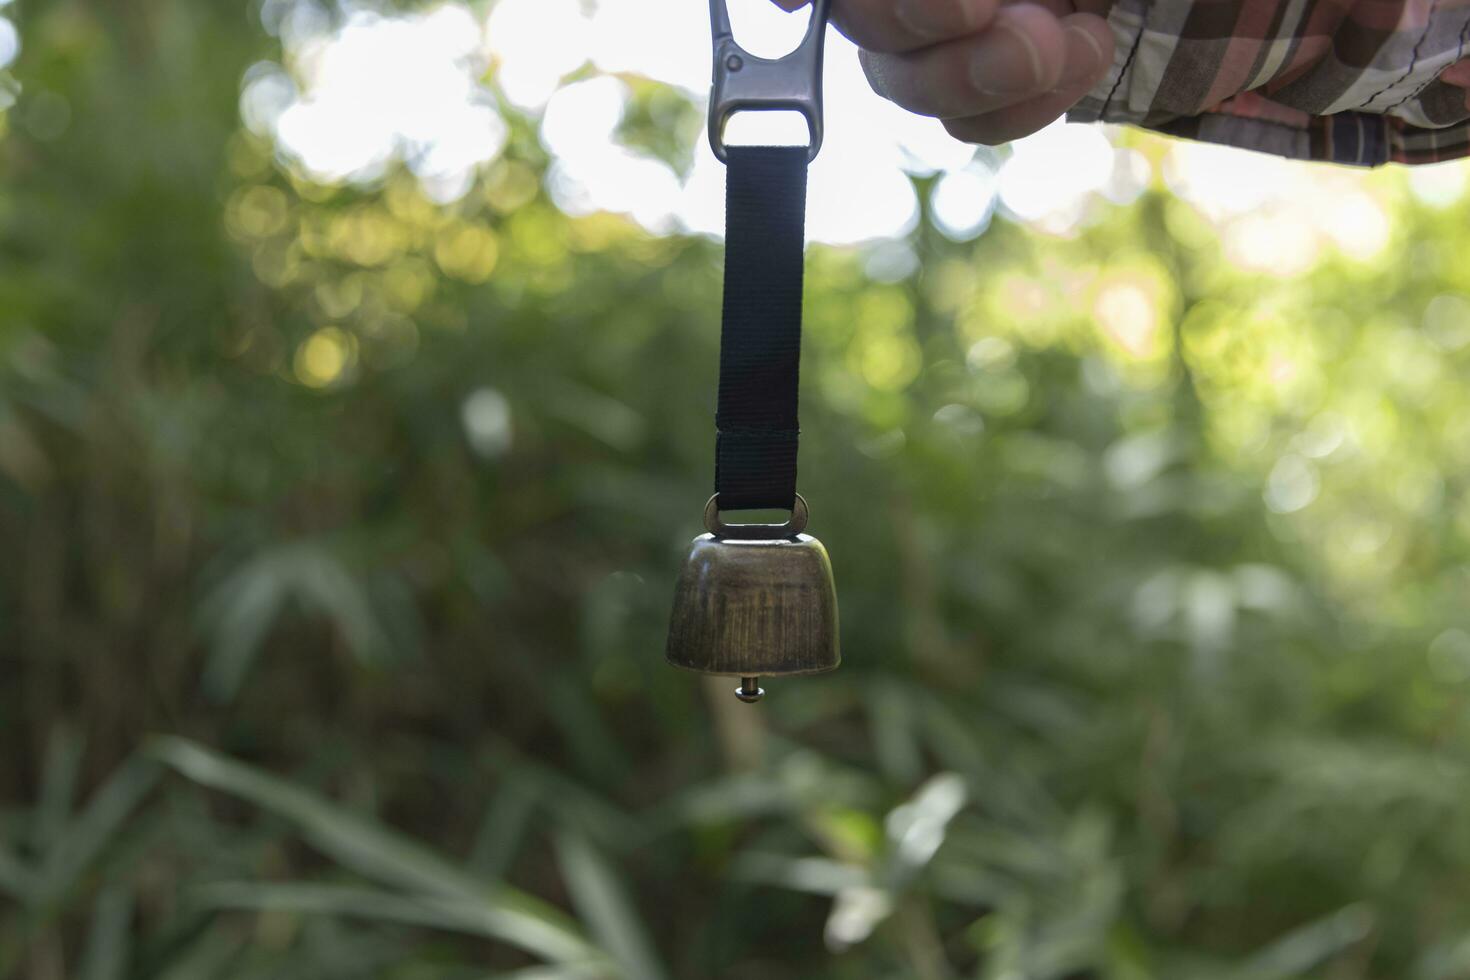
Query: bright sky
column 9, row 48
column 354, row 98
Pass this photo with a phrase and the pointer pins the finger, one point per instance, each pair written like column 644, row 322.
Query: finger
column 1057, row 8
column 1020, row 56
column 1457, row 74
column 1089, row 55
column 1062, row 8
column 907, row 25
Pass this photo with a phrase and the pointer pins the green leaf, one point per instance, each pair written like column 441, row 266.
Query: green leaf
column 16, row 879
column 604, row 903
column 241, row 610
column 79, row 843
column 362, row 845
column 106, row 954
column 504, row 826
column 566, row 971
column 435, row 912
column 917, row 828
column 58, row 784
column 205, row 958
column 818, row 876
column 892, row 726
column 1308, row 946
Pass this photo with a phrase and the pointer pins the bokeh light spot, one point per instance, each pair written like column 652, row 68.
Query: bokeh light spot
column 338, row 298
column 1292, row 484
column 1278, row 244
column 486, row 417
column 1438, row 185
column 407, row 283
column 467, row 252
column 324, row 356
column 9, row 42
column 1449, row 656
column 537, row 44
column 963, row 202
column 1358, row 225
column 1126, row 313
column 257, row 212
column 1447, row 321
column 383, row 88
column 1050, row 174
column 889, row 361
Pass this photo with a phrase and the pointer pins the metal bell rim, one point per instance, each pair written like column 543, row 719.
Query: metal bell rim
column 763, row 673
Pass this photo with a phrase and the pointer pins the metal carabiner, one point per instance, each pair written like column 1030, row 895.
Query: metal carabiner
column 742, row 81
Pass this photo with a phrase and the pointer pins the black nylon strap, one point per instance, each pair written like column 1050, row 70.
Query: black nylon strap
column 760, row 338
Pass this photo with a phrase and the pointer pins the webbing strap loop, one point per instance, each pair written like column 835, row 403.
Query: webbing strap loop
column 760, row 335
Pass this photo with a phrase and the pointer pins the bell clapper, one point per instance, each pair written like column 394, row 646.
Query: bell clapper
column 750, row 690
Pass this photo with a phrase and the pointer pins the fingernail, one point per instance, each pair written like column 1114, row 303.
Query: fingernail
column 1009, row 66
column 1079, row 68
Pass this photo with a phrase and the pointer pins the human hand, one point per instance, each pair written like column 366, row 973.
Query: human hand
column 1457, row 74
column 990, row 70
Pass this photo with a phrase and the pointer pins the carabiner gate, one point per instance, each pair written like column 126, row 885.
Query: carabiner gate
column 744, row 82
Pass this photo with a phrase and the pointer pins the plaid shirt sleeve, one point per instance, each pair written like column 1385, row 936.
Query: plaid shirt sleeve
column 1348, row 81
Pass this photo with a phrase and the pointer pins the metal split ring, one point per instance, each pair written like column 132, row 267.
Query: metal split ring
column 715, row 525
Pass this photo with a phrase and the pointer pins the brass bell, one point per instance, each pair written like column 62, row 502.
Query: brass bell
column 755, row 599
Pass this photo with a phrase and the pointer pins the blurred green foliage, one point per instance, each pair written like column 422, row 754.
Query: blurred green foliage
column 340, row 528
